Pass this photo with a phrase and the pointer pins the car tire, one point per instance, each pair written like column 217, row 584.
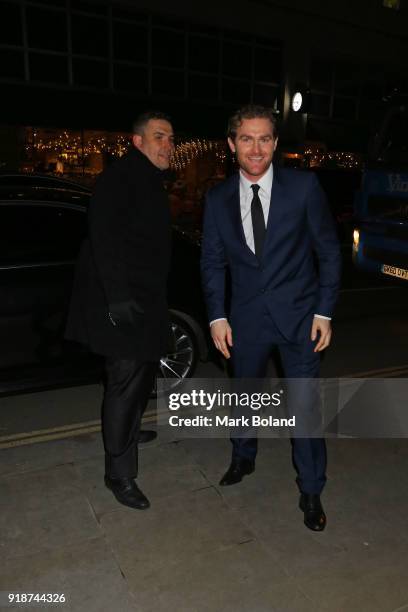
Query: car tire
column 176, row 366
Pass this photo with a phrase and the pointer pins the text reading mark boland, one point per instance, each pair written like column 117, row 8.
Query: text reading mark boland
column 225, row 421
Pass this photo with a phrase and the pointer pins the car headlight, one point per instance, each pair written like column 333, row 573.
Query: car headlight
column 356, row 239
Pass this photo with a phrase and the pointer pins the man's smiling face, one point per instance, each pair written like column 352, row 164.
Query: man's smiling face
column 254, row 146
column 156, row 141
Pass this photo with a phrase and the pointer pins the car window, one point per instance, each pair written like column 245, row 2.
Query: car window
column 31, row 234
column 43, row 194
column 27, row 180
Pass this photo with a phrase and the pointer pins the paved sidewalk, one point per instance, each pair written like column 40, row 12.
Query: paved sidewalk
column 200, row 547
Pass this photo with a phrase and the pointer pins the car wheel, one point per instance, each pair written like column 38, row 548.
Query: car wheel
column 175, row 367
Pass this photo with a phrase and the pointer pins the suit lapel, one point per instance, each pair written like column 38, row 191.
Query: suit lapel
column 276, row 206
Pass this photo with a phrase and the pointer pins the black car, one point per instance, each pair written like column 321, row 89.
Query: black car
column 42, row 225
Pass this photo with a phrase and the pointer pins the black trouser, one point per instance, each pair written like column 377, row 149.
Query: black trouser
column 128, row 384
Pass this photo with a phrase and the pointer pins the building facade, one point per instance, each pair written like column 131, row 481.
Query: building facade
column 94, row 64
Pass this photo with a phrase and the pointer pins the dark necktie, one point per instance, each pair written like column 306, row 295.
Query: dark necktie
column 258, row 222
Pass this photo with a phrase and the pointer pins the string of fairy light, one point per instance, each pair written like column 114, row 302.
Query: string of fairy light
column 72, row 146
column 186, row 152
column 340, row 158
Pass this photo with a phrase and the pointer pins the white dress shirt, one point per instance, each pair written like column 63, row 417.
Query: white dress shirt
column 246, row 195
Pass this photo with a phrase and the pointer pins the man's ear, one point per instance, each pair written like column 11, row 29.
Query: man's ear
column 137, row 140
column 276, row 144
column 231, row 145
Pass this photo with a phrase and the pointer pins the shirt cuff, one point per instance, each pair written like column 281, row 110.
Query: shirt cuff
column 322, row 317
column 215, row 320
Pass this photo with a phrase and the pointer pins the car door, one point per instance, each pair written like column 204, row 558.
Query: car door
column 39, row 242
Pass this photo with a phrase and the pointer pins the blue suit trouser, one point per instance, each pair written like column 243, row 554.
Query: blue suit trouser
column 298, row 361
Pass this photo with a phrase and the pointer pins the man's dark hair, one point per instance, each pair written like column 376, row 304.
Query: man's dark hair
column 251, row 111
column 143, row 119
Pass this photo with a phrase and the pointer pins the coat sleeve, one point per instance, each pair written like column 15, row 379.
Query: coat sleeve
column 108, row 220
column 213, row 263
column 326, row 246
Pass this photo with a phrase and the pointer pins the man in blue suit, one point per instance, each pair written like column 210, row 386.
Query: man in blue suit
column 274, row 231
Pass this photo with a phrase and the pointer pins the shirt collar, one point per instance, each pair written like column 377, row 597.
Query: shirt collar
column 265, row 183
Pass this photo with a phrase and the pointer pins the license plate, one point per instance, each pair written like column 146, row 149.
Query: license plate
column 393, row 271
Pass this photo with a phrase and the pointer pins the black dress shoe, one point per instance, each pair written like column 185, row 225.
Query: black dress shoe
column 127, row 492
column 315, row 517
column 236, row 471
column 146, row 435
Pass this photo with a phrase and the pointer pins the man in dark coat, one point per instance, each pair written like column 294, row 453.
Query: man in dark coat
column 119, row 305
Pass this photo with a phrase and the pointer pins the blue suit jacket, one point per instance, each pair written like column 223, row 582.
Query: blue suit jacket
column 299, row 272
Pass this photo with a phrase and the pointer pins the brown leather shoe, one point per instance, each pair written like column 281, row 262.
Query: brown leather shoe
column 315, row 518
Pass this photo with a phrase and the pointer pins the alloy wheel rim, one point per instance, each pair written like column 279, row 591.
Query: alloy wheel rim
column 175, row 367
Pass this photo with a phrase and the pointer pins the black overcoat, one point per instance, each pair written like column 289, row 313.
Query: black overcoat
column 125, row 257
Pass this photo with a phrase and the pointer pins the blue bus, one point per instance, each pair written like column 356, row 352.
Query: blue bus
column 380, row 236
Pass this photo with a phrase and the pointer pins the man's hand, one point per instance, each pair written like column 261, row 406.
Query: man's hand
column 221, row 334
column 323, row 328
